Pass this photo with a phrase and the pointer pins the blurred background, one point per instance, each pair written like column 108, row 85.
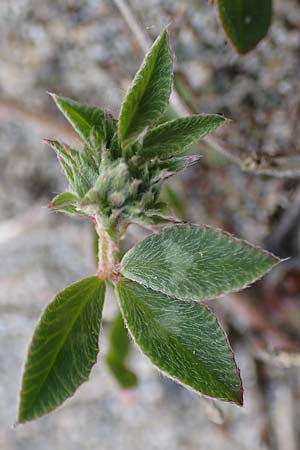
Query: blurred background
column 89, row 50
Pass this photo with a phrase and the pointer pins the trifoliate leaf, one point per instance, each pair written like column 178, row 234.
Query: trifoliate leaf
column 148, row 94
column 63, row 349
column 175, row 137
column 194, row 262
column 182, row 339
column 245, row 22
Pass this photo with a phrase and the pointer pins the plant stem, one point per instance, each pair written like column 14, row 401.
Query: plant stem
column 108, row 254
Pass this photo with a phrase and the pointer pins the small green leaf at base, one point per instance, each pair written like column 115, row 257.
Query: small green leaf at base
column 245, row 22
column 193, row 262
column 66, row 202
column 63, row 349
column 182, row 339
column 64, row 199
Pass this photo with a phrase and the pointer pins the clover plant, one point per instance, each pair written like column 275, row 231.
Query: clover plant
column 115, row 180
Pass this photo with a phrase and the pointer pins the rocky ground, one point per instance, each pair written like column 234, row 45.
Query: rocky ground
column 84, row 49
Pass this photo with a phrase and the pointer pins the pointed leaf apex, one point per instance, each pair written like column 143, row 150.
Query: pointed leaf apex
column 47, row 141
column 52, row 95
column 193, row 159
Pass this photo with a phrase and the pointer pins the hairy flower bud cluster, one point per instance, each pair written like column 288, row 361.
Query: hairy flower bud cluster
column 117, row 189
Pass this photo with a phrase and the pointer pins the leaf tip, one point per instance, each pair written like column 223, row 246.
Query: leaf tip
column 163, row 34
column 21, row 417
column 19, row 421
column 222, row 119
column 51, row 143
column 240, row 397
column 227, row 119
column 47, row 141
column 53, row 96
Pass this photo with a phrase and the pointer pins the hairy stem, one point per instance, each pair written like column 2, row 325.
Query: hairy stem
column 108, row 254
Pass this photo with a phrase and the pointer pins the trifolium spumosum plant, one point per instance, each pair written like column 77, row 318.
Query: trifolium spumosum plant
column 160, row 283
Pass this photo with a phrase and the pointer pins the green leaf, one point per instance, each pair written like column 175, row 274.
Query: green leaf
column 67, row 157
column 66, row 202
column 71, row 209
column 79, row 168
column 119, row 348
column 173, row 138
column 63, row 199
column 87, row 120
column 182, row 339
column 148, row 95
column 194, row 262
column 245, row 22
column 63, row 349
column 169, row 167
column 178, row 164
column 175, row 199
column 152, row 221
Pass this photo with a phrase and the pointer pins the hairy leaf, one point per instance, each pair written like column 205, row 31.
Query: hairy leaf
column 87, row 120
column 79, row 168
column 194, row 262
column 65, row 198
column 66, row 202
column 63, row 349
column 182, row 339
column 245, row 22
column 148, row 95
column 119, row 348
column 169, row 167
column 173, row 138
column 67, row 157
column 175, row 199
column 178, row 164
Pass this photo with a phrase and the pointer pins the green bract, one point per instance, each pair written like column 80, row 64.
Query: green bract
column 116, row 180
